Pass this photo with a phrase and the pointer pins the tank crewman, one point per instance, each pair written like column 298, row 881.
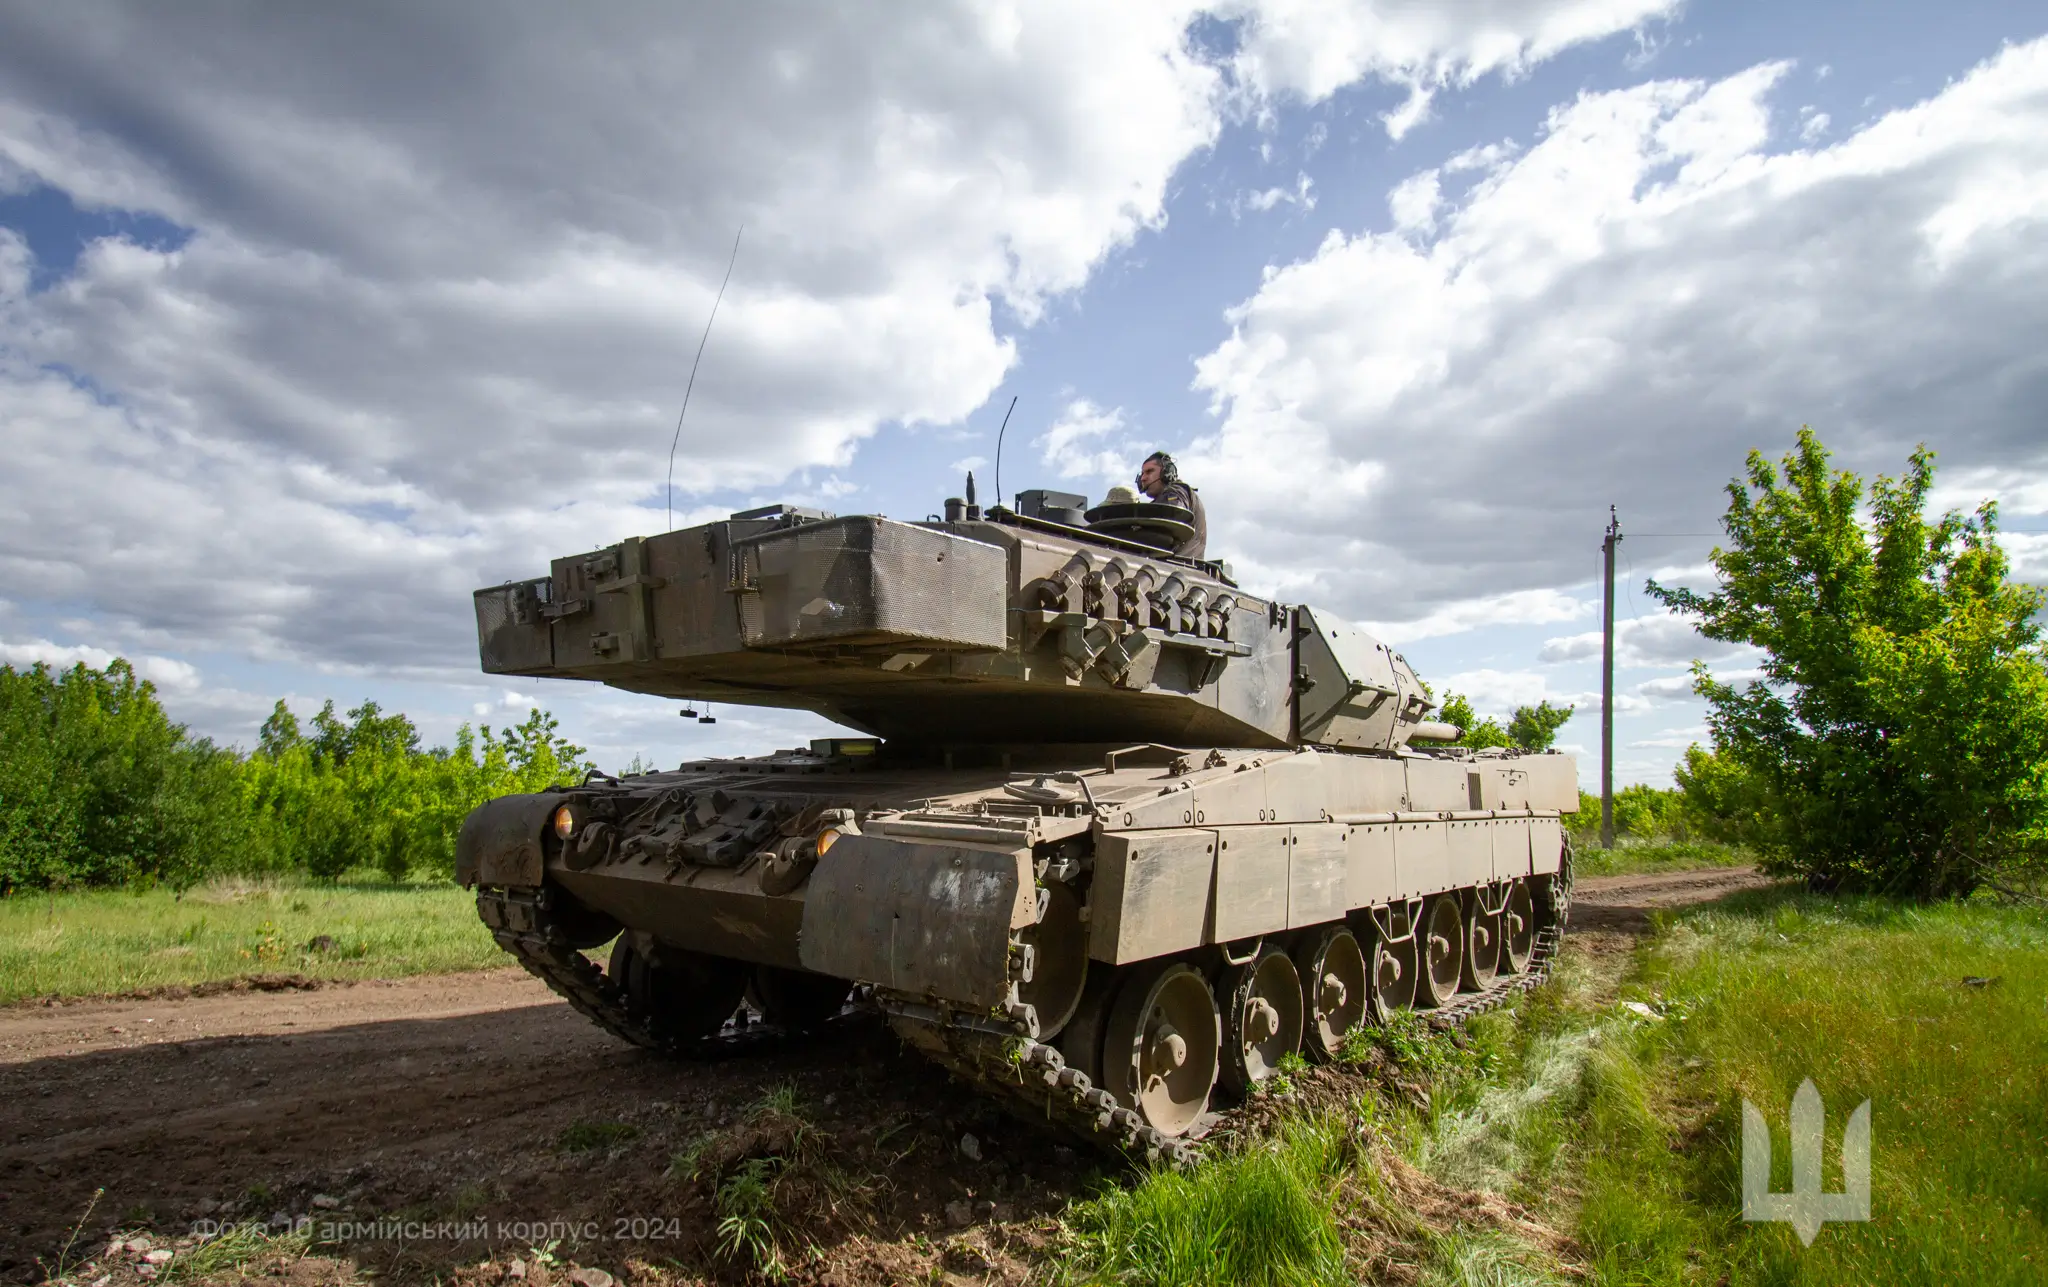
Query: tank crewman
column 1160, row 479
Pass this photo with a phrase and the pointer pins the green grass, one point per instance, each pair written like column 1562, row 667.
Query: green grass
column 1867, row 998
column 1621, row 1131
column 1631, row 857
column 86, row 944
column 1263, row 1217
column 234, row 1250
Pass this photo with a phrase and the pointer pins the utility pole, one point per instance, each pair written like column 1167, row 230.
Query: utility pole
column 1607, row 685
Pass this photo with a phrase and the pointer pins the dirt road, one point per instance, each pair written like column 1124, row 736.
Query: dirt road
column 480, row 1097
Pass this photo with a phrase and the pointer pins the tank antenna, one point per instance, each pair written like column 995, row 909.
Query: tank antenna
column 999, row 448
column 670, row 491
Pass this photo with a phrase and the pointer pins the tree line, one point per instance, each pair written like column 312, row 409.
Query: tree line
column 98, row 786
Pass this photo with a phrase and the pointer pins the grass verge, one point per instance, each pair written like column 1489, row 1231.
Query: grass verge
column 104, row 941
column 1342, row 1188
column 1592, row 1132
column 1933, row 1014
column 1266, row 1216
column 1642, row 858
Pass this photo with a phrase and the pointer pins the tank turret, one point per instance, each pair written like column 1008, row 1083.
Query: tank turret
column 1123, row 836
column 1007, row 628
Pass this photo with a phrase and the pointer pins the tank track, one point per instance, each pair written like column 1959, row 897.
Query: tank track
column 524, row 926
column 1029, row 1076
column 1033, row 1077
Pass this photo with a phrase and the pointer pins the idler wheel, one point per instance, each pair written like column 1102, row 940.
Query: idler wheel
column 796, row 999
column 1394, row 967
column 1262, row 1017
column 678, row 994
column 1334, row 989
column 1160, row 1053
column 1482, row 945
column 1518, row 929
column 1442, row 949
column 1080, row 1042
column 1059, row 943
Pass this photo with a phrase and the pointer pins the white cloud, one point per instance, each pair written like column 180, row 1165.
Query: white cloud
column 1669, row 688
column 1673, row 739
column 1302, row 194
column 1678, row 688
column 433, row 318
column 507, row 702
column 167, row 673
column 1659, row 640
column 1089, row 442
column 1414, row 202
column 1812, row 124
column 2029, row 554
column 1312, row 48
column 1497, row 693
column 2017, row 491
column 1494, row 692
column 1518, row 607
column 1619, row 313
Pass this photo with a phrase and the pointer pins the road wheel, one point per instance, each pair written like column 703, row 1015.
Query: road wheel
column 796, row 999
column 1518, row 929
column 1080, row 1042
column 1059, row 944
column 1482, row 945
column 1334, row 988
column 679, row 995
column 1161, row 1052
column 1393, row 974
column 1262, row 1017
column 1443, row 951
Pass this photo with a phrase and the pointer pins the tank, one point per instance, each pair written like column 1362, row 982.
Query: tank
column 1118, row 838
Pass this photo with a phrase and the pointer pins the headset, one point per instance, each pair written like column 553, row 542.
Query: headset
column 1169, row 473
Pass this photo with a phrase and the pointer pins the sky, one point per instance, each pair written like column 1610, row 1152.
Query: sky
column 314, row 319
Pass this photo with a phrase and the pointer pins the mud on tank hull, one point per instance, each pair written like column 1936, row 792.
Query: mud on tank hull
column 1122, row 940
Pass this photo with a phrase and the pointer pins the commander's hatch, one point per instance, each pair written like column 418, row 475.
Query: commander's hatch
column 1347, row 690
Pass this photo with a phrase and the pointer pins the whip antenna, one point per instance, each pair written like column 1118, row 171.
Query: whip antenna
column 670, row 500
column 999, row 448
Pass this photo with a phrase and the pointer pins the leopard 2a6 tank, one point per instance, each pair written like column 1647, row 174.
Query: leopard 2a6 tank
column 1121, row 838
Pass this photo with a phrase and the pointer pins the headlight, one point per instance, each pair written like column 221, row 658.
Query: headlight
column 827, row 838
column 565, row 822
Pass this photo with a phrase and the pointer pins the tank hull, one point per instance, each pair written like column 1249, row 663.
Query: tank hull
column 1005, row 911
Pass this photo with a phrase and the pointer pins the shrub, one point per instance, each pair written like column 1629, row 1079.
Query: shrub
column 1898, row 740
column 99, row 787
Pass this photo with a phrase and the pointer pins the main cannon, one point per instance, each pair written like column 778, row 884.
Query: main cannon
column 1115, row 820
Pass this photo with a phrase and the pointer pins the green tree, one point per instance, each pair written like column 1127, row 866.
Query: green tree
column 1534, row 728
column 98, row 786
column 1478, row 732
column 280, row 732
column 1720, row 799
column 1898, row 740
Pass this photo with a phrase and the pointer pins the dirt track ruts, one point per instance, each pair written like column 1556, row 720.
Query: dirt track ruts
column 449, row 1093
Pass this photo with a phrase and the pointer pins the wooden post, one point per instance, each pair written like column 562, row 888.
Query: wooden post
column 1607, row 685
